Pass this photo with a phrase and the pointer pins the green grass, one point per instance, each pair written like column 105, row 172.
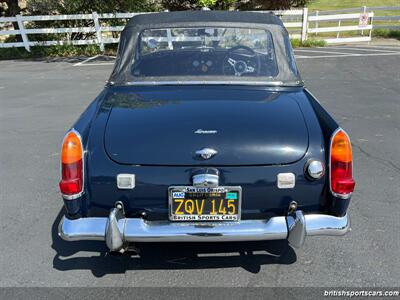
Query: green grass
column 339, row 4
column 55, row 51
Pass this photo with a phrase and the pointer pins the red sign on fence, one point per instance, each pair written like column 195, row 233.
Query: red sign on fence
column 363, row 21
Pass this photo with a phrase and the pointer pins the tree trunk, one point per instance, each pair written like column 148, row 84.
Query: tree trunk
column 13, row 9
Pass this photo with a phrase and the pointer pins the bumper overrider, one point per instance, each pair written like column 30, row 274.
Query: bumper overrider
column 117, row 230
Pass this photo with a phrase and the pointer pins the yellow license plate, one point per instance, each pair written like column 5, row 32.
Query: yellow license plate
column 204, row 204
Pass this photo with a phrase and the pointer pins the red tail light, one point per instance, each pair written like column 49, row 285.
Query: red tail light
column 71, row 165
column 341, row 165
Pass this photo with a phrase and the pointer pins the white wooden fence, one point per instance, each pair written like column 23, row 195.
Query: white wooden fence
column 101, row 30
column 384, row 21
column 340, row 28
column 296, row 21
column 100, row 39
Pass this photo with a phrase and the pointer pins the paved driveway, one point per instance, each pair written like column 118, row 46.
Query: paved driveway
column 40, row 100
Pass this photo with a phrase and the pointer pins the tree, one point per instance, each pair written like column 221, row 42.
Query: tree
column 36, row 7
column 269, row 4
column 9, row 8
column 51, row 7
column 196, row 4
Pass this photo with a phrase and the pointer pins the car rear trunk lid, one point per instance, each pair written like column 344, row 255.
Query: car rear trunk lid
column 167, row 125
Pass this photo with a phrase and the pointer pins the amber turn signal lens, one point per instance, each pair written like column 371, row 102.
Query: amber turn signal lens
column 341, row 147
column 341, row 165
column 71, row 149
column 71, row 165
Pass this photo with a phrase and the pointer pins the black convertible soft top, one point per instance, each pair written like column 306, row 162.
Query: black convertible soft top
column 203, row 17
column 130, row 36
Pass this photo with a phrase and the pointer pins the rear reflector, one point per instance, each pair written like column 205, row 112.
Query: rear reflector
column 71, row 183
column 126, row 181
column 341, row 165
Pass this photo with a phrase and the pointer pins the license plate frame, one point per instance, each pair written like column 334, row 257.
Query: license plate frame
column 197, row 218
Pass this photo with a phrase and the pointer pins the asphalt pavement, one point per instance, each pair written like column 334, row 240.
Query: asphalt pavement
column 39, row 100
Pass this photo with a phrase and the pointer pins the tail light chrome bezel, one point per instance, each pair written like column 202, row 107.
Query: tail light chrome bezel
column 77, row 195
column 338, row 195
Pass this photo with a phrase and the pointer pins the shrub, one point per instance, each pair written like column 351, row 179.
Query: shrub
column 307, row 43
column 295, row 43
column 313, row 43
column 386, row 33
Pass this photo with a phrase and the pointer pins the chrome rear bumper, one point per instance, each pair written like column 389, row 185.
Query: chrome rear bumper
column 117, row 230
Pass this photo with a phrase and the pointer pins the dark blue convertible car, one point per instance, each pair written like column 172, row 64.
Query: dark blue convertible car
column 205, row 132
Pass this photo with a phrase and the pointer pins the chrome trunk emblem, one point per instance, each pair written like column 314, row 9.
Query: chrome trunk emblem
column 202, row 131
column 206, row 153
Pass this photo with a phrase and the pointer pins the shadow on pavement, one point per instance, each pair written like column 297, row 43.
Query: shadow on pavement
column 164, row 256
